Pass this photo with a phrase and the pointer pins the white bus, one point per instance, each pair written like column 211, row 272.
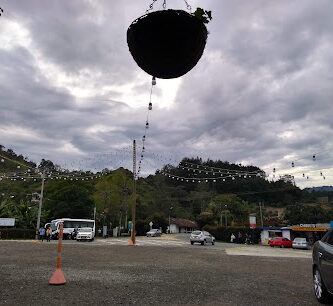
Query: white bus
column 69, row 226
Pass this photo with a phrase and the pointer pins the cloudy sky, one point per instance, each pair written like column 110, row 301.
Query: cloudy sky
column 261, row 93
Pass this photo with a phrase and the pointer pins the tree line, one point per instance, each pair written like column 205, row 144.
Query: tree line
column 159, row 197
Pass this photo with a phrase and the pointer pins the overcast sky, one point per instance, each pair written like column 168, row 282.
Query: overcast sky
column 261, row 93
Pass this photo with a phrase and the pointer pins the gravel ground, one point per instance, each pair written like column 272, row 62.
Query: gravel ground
column 104, row 274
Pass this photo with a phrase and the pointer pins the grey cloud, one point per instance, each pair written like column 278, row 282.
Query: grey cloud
column 253, row 83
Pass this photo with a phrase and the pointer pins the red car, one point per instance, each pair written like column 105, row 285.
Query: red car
column 281, row 242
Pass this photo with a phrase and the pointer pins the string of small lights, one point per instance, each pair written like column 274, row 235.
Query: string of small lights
column 221, row 177
column 52, row 175
column 302, row 174
column 144, row 137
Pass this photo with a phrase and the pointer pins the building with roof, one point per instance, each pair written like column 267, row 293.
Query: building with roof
column 181, row 226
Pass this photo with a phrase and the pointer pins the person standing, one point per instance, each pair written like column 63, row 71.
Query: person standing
column 239, row 237
column 232, row 237
column 42, row 233
column 48, row 234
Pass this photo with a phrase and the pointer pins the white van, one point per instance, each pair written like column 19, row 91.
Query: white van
column 69, row 226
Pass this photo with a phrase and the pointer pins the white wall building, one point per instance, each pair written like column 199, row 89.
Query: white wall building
column 270, row 232
column 181, row 226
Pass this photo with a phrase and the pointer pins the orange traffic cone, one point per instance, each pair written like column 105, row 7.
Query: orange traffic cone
column 58, row 277
column 132, row 239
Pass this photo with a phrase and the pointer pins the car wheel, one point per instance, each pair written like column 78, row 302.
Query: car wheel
column 320, row 290
column 272, row 246
column 192, row 242
column 202, row 242
column 281, row 246
column 213, row 242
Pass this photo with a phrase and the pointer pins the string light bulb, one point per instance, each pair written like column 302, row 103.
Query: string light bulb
column 292, row 164
column 153, row 81
column 150, row 106
column 313, row 157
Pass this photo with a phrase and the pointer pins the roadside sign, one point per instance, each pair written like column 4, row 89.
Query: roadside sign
column 7, row 221
column 331, row 224
column 309, row 229
column 253, row 222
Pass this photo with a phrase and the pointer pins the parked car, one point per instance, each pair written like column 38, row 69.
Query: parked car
column 281, row 242
column 301, row 243
column 154, row 233
column 202, row 237
column 322, row 267
column 85, row 233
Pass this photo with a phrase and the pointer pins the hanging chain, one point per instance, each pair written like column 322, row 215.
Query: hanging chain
column 151, row 6
column 188, row 6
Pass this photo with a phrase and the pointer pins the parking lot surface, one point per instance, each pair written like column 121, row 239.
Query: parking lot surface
column 108, row 271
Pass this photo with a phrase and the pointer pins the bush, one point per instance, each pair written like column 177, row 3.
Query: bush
column 224, row 234
column 17, row 233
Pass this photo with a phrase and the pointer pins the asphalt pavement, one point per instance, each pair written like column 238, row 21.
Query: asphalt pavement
column 179, row 274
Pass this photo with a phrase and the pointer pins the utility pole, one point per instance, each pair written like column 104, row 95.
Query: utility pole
column 40, row 204
column 226, row 219
column 262, row 223
column 170, row 219
column 132, row 241
column 221, row 218
column 226, row 224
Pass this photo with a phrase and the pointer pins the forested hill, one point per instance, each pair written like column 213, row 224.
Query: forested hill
column 194, row 189
column 16, row 161
column 210, row 178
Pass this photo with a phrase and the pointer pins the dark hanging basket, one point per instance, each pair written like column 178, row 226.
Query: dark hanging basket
column 167, row 44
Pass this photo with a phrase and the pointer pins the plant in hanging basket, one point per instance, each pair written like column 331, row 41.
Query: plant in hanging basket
column 167, row 44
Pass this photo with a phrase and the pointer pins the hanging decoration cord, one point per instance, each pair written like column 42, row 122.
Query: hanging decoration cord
column 188, row 6
column 151, row 6
column 144, row 137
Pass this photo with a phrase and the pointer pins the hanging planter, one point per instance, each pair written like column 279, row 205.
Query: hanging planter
column 167, row 44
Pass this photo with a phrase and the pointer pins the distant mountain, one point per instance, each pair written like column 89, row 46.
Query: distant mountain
column 320, row 188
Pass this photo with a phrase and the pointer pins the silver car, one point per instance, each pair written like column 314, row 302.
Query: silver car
column 154, row 233
column 202, row 237
column 301, row 243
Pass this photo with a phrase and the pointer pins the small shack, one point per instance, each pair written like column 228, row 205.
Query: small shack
column 270, row 232
column 181, row 226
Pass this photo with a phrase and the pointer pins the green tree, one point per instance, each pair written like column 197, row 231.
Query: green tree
column 159, row 220
column 69, row 200
column 206, row 218
column 25, row 213
column 235, row 208
column 113, row 197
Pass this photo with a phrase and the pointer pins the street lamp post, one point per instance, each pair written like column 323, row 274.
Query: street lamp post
column 170, row 219
column 226, row 224
column 40, row 204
